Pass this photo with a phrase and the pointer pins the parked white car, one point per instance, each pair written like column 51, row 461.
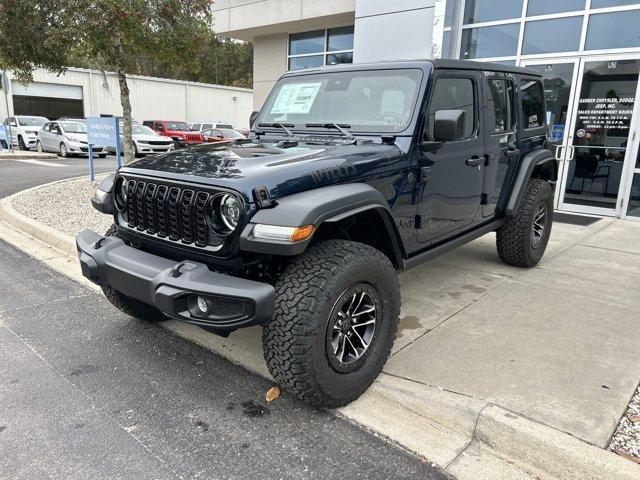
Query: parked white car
column 24, row 130
column 66, row 139
column 199, row 127
column 146, row 141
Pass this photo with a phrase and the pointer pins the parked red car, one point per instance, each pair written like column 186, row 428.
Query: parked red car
column 221, row 135
column 179, row 131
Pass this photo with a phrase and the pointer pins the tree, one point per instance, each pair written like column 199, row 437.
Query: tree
column 113, row 34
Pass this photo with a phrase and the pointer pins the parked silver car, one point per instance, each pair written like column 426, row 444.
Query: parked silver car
column 66, row 138
column 24, row 129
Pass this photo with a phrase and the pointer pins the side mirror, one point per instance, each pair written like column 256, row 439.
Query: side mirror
column 449, row 125
column 252, row 118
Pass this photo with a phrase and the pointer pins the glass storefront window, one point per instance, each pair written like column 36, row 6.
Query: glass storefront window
column 476, row 11
column 340, row 39
column 494, row 41
column 613, row 30
column 633, row 209
column 546, row 7
column 300, row 63
column 338, row 58
column 543, row 36
column 307, row 42
column 446, row 45
column 449, row 12
column 611, row 3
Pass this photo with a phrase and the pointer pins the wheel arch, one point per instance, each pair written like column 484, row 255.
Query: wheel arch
column 537, row 164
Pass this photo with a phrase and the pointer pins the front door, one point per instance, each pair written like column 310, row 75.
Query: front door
column 452, row 176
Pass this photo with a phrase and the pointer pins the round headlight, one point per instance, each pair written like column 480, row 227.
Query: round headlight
column 230, row 211
column 120, row 193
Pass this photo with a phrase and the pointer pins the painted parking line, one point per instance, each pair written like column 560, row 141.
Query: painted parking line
column 40, row 162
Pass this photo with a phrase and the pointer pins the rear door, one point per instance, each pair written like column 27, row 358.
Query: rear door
column 500, row 137
column 451, row 176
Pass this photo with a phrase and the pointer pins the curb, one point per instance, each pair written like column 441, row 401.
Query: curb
column 30, row 156
column 468, row 437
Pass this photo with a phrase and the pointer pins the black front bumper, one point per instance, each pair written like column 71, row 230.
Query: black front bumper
column 173, row 286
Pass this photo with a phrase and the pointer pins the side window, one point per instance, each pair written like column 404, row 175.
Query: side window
column 195, row 126
column 206, row 126
column 46, row 127
column 55, row 128
column 532, row 103
column 454, row 94
column 13, row 122
column 502, row 101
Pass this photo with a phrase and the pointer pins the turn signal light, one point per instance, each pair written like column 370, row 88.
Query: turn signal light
column 287, row 234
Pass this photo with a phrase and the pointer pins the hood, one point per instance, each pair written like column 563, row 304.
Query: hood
column 77, row 137
column 31, row 129
column 244, row 166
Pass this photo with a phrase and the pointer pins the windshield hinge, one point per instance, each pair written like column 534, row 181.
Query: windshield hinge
column 261, row 196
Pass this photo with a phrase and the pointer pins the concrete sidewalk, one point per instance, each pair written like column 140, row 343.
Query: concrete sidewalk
column 497, row 372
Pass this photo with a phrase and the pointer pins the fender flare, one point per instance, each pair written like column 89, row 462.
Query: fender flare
column 316, row 207
column 104, row 203
column 528, row 165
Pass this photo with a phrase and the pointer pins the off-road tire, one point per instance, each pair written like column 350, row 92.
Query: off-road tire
column 514, row 238
column 126, row 304
column 294, row 341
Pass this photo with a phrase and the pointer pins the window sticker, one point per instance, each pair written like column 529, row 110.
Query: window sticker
column 296, row 98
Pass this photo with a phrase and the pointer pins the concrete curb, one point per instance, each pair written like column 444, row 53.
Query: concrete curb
column 470, row 438
column 28, row 156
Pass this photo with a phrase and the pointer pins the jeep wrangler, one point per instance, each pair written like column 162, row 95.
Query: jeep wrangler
column 351, row 174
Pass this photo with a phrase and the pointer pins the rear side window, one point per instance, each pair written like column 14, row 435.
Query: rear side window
column 207, row 126
column 502, row 100
column 531, row 94
column 454, row 94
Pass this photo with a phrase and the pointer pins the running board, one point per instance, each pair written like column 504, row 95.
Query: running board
column 451, row 244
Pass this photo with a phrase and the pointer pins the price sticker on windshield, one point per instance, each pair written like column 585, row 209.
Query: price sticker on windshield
column 296, row 98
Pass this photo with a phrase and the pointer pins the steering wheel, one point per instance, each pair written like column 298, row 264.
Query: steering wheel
column 390, row 117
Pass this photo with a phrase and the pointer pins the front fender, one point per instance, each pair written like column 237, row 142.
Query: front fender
column 313, row 207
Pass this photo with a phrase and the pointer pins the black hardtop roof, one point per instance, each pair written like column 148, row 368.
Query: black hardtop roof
column 425, row 64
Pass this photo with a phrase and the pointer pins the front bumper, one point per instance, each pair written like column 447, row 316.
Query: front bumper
column 173, row 286
column 83, row 148
column 146, row 148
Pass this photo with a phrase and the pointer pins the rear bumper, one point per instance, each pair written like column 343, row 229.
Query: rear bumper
column 173, row 286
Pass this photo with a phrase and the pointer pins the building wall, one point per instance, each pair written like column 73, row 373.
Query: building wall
column 269, row 62
column 398, row 30
column 152, row 98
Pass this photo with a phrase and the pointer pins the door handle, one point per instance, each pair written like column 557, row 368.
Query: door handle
column 474, row 161
column 572, row 151
column 558, row 152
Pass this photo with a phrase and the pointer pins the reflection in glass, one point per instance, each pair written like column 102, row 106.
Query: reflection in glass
column 340, row 38
column 611, row 3
column 300, row 63
column 476, row 11
column 450, row 9
column 446, row 45
column 613, row 30
column 601, row 133
column 495, row 41
column 543, row 36
column 307, row 42
column 633, row 210
column 337, row 58
column 545, row 7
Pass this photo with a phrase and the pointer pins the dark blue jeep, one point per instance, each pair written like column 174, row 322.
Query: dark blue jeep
column 351, row 174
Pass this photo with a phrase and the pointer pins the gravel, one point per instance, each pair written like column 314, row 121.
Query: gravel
column 626, row 440
column 65, row 206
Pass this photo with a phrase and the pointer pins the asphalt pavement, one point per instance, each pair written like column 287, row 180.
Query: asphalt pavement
column 17, row 175
column 88, row 392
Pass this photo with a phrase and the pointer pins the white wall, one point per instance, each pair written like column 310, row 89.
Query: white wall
column 393, row 30
column 152, row 98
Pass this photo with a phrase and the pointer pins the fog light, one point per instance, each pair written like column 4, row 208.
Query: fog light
column 203, row 305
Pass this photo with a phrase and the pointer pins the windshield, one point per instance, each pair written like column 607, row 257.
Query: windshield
column 32, row 121
column 231, row 133
column 176, row 126
column 141, row 130
column 368, row 101
column 73, row 127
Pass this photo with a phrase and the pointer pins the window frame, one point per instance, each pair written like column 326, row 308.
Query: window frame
column 324, row 53
column 476, row 101
column 514, row 116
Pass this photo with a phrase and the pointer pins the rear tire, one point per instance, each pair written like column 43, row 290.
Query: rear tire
column 523, row 238
column 130, row 306
column 334, row 323
column 39, row 147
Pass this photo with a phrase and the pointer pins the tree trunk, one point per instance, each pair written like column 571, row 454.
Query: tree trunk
column 127, row 141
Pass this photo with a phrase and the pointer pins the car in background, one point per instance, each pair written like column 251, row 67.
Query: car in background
column 66, row 139
column 24, row 130
column 199, row 127
column 178, row 131
column 147, row 141
column 221, row 135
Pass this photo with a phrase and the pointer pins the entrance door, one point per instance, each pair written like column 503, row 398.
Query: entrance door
column 560, row 80
column 601, row 135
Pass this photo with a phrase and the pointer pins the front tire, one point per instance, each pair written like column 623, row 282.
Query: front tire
column 21, row 144
column 130, row 306
column 64, row 153
column 523, row 238
column 334, row 323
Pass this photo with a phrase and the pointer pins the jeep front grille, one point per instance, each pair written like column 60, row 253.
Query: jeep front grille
column 169, row 212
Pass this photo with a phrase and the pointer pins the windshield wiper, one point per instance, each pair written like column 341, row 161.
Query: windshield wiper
column 342, row 128
column 282, row 126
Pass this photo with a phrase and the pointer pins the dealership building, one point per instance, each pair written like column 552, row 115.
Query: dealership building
column 588, row 52
column 80, row 93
